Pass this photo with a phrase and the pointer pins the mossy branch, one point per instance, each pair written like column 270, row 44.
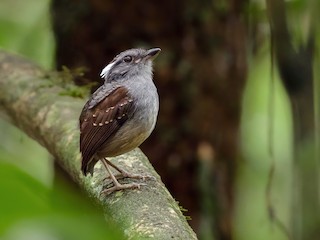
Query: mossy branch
column 31, row 100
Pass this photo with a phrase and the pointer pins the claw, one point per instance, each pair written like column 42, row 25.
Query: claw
column 119, row 187
column 123, row 174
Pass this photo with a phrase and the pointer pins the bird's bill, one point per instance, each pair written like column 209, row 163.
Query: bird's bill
column 152, row 53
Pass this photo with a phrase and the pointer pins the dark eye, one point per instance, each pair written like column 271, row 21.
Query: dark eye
column 127, row 59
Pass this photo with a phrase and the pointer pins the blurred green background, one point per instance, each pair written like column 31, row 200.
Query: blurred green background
column 29, row 206
column 25, row 29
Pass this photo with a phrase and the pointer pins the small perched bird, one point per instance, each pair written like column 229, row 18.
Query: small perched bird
column 121, row 114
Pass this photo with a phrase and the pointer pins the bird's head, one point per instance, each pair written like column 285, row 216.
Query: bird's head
column 130, row 63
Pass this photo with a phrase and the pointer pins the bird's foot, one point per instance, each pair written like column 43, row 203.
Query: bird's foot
column 125, row 174
column 122, row 174
column 118, row 187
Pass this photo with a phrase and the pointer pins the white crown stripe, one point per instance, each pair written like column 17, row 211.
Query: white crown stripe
column 104, row 73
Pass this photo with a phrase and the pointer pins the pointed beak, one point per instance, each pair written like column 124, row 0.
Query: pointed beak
column 152, row 53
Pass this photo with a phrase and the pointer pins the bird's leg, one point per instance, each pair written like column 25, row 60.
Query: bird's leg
column 117, row 186
column 125, row 174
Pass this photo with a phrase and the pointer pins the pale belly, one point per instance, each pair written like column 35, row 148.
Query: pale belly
column 124, row 141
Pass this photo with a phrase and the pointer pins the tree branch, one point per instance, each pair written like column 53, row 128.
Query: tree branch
column 34, row 103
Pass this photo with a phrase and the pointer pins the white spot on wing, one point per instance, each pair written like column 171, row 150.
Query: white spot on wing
column 104, row 73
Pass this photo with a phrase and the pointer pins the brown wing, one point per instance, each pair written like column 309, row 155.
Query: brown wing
column 99, row 123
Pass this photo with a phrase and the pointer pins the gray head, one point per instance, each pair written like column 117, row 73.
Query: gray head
column 130, row 63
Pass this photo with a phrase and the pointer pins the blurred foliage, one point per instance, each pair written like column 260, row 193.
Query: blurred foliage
column 29, row 207
column 25, row 28
column 18, row 149
column 260, row 122
column 30, row 210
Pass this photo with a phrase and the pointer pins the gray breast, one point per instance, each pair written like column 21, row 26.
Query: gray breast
column 140, row 125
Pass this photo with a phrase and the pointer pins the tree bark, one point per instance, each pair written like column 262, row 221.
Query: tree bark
column 33, row 102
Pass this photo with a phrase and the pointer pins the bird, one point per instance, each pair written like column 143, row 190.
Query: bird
column 120, row 115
